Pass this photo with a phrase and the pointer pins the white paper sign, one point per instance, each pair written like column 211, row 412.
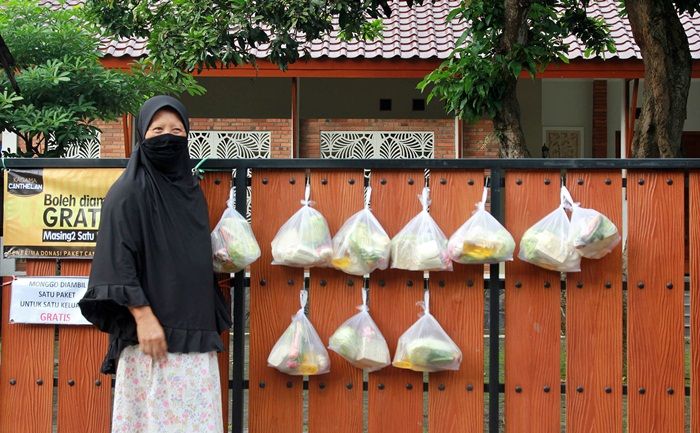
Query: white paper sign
column 47, row 300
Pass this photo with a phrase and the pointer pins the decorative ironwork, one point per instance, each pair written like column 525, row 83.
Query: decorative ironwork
column 86, row 150
column 230, row 144
column 377, row 144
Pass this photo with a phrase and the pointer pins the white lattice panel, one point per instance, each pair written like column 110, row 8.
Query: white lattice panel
column 229, row 144
column 377, row 144
column 89, row 151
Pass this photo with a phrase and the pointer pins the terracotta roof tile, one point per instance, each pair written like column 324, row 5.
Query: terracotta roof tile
column 421, row 32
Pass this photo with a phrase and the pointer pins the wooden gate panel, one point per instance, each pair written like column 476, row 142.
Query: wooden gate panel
column 275, row 399
column 456, row 398
column 694, row 224
column 216, row 187
column 532, row 311
column 594, row 318
column 395, row 395
column 655, row 301
column 84, row 394
column 26, row 382
column 335, row 399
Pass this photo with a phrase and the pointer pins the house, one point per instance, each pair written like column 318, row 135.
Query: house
column 359, row 99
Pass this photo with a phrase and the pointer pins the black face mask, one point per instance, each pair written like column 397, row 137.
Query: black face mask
column 167, row 152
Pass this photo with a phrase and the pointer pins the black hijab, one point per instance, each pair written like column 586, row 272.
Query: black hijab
column 154, row 248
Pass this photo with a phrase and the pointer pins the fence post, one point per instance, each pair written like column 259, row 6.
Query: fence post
column 494, row 286
column 241, row 188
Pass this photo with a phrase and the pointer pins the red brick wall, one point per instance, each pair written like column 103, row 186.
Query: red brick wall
column 280, row 130
column 111, row 139
column 310, row 132
column 600, row 119
column 479, row 141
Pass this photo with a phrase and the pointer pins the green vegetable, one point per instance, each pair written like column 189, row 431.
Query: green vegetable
column 346, row 342
column 430, row 352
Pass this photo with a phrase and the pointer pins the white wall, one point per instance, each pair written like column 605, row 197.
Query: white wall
column 692, row 121
column 256, row 98
column 359, row 98
column 569, row 103
column 615, row 88
column 530, row 98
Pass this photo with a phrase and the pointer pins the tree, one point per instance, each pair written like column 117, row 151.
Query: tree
column 501, row 40
column 197, row 34
column 63, row 87
column 658, row 31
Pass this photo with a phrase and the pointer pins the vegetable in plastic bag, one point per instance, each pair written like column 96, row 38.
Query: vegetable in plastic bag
column 421, row 245
column 361, row 245
column 233, row 243
column 299, row 351
column 425, row 346
column 546, row 244
column 304, row 240
column 360, row 342
column 592, row 233
column 482, row 239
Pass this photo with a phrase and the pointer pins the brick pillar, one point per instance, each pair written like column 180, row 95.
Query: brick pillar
column 600, row 119
column 479, row 141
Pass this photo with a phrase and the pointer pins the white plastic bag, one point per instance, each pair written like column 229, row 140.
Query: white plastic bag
column 232, row 241
column 304, row 240
column 360, row 342
column 421, row 245
column 592, row 233
column 361, row 245
column 482, row 239
column 546, row 244
column 299, row 351
column 425, row 346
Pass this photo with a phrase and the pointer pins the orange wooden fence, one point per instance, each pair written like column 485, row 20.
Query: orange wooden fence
column 49, row 375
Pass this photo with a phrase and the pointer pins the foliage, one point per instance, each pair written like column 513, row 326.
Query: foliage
column 195, row 34
column 63, row 85
column 471, row 81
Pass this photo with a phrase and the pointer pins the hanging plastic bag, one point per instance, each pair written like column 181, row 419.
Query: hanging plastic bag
column 425, row 346
column 592, row 234
column 546, row 244
column 299, row 351
column 361, row 245
column 304, row 240
column 232, row 241
column 421, row 245
column 482, row 239
column 360, row 342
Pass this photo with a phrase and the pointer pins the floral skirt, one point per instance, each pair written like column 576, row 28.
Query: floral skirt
column 180, row 394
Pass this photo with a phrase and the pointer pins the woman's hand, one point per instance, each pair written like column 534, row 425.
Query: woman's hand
column 150, row 333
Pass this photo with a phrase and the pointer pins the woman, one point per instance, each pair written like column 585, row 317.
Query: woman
column 152, row 285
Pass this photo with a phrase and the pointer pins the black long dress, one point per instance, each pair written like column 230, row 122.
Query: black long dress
column 154, row 248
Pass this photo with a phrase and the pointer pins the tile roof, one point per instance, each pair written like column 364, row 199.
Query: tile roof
column 421, row 32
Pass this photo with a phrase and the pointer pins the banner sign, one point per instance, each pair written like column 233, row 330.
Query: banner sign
column 54, row 212
column 47, row 300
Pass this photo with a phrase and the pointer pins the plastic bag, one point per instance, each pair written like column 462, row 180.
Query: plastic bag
column 304, row 240
column 425, row 346
column 361, row 245
column 592, row 233
column 360, row 342
column 299, row 351
column 482, row 239
column 546, row 244
column 421, row 245
column 232, row 241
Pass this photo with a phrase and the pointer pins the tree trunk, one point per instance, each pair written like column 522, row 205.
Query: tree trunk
column 663, row 43
column 506, row 123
